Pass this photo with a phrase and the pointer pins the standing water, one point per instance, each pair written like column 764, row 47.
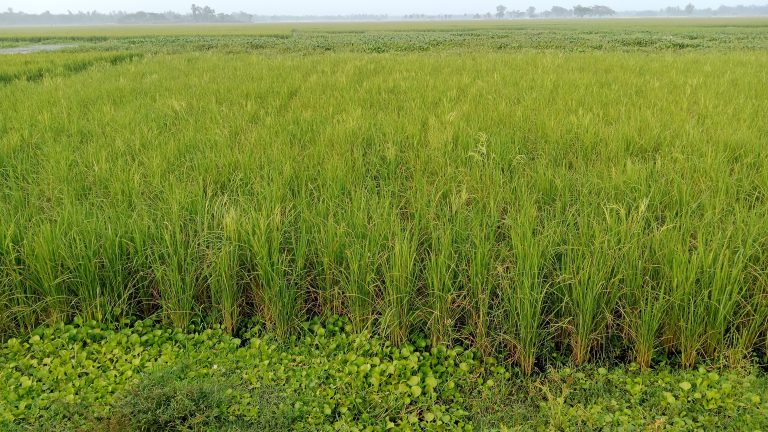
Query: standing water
column 34, row 48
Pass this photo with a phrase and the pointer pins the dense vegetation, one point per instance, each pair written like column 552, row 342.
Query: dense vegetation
column 626, row 35
column 597, row 205
column 142, row 377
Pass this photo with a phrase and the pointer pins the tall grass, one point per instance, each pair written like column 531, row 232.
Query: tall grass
column 481, row 280
column 642, row 302
column 595, row 205
column 177, row 270
column 589, row 289
column 442, row 295
column 525, row 286
column 686, row 323
column 330, row 246
column 226, row 275
column 17, row 302
column 45, row 274
column 723, row 281
column 360, row 281
column 280, row 301
column 400, row 279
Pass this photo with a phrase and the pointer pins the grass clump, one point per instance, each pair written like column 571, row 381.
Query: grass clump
column 168, row 399
column 525, row 289
column 178, row 398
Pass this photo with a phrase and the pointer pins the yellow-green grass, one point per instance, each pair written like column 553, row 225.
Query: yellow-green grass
column 597, row 205
column 35, row 67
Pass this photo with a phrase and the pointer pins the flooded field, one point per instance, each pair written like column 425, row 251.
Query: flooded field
column 35, row 48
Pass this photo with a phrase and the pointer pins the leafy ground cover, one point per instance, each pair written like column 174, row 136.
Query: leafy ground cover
column 87, row 376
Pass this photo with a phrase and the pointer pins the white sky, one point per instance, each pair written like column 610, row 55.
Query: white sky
column 343, row 7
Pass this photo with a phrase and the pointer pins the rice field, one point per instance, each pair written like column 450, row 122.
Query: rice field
column 598, row 192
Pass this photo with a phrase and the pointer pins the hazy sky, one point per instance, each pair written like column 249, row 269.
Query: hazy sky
column 343, row 7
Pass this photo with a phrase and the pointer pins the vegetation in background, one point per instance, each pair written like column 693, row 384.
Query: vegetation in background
column 623, row 35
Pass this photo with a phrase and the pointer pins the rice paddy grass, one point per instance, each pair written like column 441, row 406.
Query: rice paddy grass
column 592, row 190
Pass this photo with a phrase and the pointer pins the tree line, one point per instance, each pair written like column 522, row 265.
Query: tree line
column 196, row 14
column 206, row 14
column 579, row 11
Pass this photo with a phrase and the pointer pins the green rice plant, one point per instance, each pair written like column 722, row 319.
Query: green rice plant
column 481, row 282
column 10, row 288
column 750, row 325
column 400, row 283
column 686, row 320
column 330, row 246
column 44, row 272
column 723, row 279
column 645, row 321
column 177, row 269
column 225, row 274
column 18, row 310
column 224, row 286
column 143, row 297
column 524, row 287
column 441, row 285
column 360, row 280
column 360, row 283
column 750, row 328
column 298, row 257
column 7, row 318
column 279, row 299
column 114, row 203
column 589, row 288
column 115, row 272
column 760, row 321
column 752, row 332
column 95, row 257
column 265, row 247
column 82, row 255
column 643, row 302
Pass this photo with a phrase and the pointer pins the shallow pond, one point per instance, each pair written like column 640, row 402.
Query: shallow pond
column 33, row 49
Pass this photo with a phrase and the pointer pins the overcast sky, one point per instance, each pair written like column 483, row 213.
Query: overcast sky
column 342, row 7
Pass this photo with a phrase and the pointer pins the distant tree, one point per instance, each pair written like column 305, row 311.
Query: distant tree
column 242, row 16
column 559, row 12
column 582, row 11
column 690, row 8
column 531, row 11
column 203, row 13
column 501, row 10
column 602, row 11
